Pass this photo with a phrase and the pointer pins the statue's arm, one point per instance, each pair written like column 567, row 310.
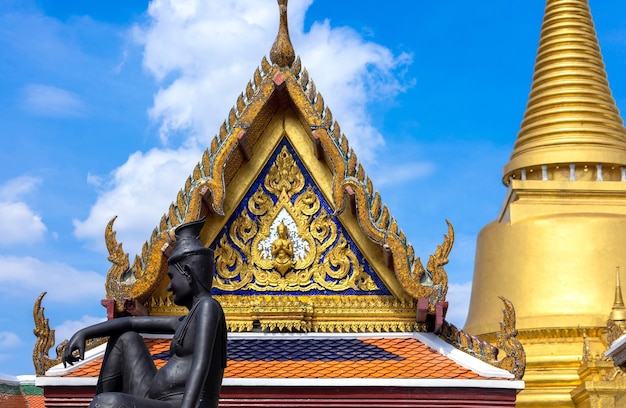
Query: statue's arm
column 207, row 321
column 142, row 324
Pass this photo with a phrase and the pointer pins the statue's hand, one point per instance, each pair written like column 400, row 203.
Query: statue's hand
column 77, row 342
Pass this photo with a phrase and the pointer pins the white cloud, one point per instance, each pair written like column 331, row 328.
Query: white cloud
column 351, row 73
column 204, row 53
column 393, row 175
column 18, row 187
column 139, row 193
column 50, row 101
column 458, row 302
column 27, row 277
column 66, row 330
column 9, row 340
column 19, row 224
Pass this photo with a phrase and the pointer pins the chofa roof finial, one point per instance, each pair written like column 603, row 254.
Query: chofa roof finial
column 282, row 53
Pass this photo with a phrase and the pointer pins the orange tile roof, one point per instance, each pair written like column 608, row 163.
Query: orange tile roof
column 36, row 401
column 371, row 358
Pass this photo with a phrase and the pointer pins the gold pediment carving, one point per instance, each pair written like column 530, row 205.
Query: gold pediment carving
column 282, row 241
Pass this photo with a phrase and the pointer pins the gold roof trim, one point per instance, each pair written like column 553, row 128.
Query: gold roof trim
column 278, row 87
column 514, row 359
column 571, row 116
column 309, row 313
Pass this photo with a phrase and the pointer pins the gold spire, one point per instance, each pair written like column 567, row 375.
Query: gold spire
column 618, row 312
column 282, row 53
column 571, row 117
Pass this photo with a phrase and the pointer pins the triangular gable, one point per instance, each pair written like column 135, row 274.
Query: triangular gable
column 315, row 254
column 281, row 105
column 281, row 159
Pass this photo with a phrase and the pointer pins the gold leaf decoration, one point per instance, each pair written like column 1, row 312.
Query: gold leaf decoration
column 45, row 340
column 284, row 176
column 285, row 243
column 515, row 356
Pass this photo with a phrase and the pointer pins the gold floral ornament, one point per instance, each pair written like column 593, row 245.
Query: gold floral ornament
column 280, row 242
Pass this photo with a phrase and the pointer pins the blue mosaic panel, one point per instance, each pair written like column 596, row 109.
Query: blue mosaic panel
column 341, row 231
column 306, row 350
column 312, row 350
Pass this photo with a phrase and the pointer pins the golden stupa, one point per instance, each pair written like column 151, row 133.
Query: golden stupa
column 561, row 233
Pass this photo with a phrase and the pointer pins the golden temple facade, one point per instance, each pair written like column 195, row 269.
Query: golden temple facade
column 561, row 233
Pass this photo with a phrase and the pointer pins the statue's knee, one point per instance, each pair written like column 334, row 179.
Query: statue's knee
column 131, row 336
column 106, row 400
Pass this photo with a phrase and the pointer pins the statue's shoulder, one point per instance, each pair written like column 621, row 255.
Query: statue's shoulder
column 210, row 304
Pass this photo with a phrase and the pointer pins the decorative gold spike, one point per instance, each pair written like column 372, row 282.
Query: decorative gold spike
column 343, row 144
column 163, row 223
column 304, row 78
column 360, row 174
column 215, row 145
column 369, row 185
column 336, row 130
column 181, row 204
column 311, row 91
column 200, row 172
column 206, row 164
column 282, row 52
column 571, row 116
column 222, row 136
column 257, row 78
column 375, row 206
column 266, row 67
column 319, row 104
column 296, row 67
column 232, row 118
column 241, row 105
column 172, row 215
column 393, row 226
column 352, row 163
column 402, row 237
column 383, row 220
column 616, row 325
column 328, row 116
column 249, row 91
column 619, row 300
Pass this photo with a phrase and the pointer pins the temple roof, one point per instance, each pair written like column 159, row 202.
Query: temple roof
column 20, row 392
column 293, row 359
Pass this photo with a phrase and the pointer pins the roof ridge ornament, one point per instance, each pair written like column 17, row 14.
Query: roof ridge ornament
column 282, row 52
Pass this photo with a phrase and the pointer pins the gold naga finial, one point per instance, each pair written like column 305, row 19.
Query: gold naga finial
column 282, row 52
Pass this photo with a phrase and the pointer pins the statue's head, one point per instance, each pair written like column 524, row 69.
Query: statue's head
column 191, row 253
column 282, row 230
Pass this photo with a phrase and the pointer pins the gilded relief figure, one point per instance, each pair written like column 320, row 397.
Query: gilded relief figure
column 282, row 249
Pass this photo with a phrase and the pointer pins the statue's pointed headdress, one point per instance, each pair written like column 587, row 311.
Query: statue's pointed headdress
column 188, row 241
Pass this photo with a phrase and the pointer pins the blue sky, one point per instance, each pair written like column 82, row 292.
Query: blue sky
column 106, row 107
